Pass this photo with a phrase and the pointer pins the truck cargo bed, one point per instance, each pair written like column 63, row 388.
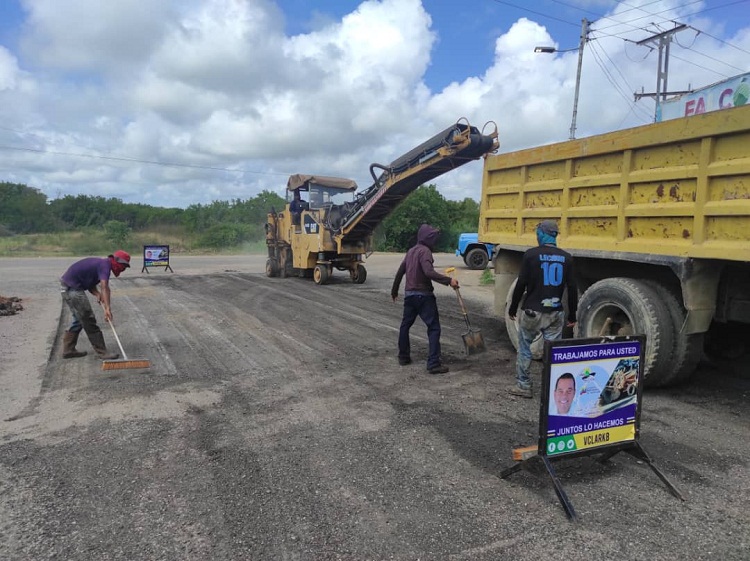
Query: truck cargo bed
column 678, row 188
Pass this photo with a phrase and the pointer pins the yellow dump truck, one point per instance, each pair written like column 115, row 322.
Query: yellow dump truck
column 658, row 220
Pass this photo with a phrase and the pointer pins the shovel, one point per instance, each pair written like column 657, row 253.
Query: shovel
column 473, row 340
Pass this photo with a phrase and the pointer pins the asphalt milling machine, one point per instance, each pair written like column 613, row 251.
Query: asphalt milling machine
column 333, row 228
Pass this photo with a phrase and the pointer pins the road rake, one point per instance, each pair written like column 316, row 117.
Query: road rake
column 124, row 363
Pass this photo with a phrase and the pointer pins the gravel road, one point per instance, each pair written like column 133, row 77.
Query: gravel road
column 275, row 423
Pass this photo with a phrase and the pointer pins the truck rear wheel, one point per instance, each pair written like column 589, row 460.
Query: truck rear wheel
column 477, row 259
column 687, row 349
column 537, row 345
column 635, row 309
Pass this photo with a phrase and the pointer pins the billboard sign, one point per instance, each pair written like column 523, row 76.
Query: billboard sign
column 733, row 92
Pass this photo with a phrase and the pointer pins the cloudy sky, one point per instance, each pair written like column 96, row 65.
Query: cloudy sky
column 177, row 102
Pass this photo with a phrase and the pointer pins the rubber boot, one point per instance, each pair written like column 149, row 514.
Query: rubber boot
column 69, row 345
column 97, row 341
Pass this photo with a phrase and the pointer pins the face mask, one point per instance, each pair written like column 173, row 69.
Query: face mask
column 117, row 268
column 545, row 239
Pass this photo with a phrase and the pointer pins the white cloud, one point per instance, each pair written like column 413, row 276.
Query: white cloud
column 8, row 70
column 221, row 84
column 91, row 35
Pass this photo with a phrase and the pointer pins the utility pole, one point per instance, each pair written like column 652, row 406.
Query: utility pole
column 584, row 38
column 662, row 41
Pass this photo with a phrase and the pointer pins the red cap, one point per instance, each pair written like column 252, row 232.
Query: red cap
column 122, row 257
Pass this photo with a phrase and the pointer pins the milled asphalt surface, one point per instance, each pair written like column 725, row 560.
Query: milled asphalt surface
column 275, row 423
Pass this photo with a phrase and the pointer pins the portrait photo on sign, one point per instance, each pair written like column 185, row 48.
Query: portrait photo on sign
column 589, row 390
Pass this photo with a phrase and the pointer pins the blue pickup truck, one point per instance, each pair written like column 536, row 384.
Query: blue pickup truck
column 475, row 254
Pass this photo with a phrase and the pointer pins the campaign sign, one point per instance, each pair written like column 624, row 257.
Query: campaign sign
column 591, row 394
column 156, row 256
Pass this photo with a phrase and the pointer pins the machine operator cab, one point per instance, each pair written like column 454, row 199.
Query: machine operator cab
column 328, row 199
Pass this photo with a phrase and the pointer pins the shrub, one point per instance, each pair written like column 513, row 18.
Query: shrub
column 223, row 236
column 487, row 277
column 117, row 233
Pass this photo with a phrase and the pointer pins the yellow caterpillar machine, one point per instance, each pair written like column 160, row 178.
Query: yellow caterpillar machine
column 333, row 228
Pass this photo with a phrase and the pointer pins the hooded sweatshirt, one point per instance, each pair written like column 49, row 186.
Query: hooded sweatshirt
column 418, row 265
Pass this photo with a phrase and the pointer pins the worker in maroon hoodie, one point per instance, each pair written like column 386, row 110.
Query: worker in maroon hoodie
column 419, row 297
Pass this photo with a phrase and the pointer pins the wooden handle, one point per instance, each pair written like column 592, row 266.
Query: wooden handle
column 460, row 300
column 122, row 351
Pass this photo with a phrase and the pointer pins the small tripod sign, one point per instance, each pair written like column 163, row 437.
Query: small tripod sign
column 590, row 403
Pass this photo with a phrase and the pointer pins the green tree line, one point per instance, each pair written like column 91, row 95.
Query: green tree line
column 221, row 224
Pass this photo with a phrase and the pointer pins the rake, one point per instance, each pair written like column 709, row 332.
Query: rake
column 123, row 363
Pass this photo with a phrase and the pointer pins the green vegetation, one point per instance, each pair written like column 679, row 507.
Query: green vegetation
column 487, row 277
column 85, row 225
column 426, row 205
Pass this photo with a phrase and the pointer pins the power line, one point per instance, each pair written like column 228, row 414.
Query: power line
column 701, row 67
column 716, row 7
column 648, row 15
column 690, row 48
column 720, row 40
column 525, row 9
column 632, row 8
column 666, row 20
column 611, row 79
column 138, row 161
column 578, row 8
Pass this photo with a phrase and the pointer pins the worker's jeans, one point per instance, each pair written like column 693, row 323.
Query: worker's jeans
column 80, row 308
column 426, row 308
column 549, row 324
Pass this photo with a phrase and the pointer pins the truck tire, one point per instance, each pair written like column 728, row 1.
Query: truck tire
column 687, row 350
column 635, row 309
column 358, row 274
column 320, row 274
column 477, row 259
column 537, row 345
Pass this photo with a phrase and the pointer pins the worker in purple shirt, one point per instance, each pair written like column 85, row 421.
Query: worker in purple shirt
column 92, row 275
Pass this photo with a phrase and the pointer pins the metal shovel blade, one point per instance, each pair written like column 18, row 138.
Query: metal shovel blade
column 473, row 342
